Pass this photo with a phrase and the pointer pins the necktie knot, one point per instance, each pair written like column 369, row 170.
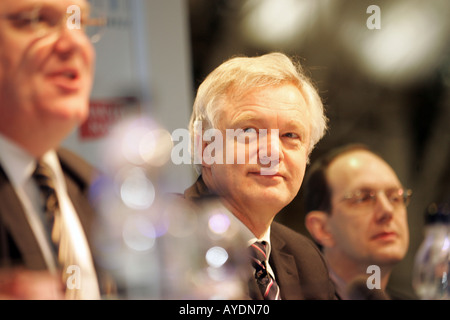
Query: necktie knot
column 43, row 176
column 258, row 254
column 267, row 285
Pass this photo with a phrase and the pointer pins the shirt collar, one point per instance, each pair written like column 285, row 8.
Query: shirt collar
column 17, row 163
column 248, row 236
column 266, row 238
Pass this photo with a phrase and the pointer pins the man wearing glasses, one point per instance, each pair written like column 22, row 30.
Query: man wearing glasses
column 46, row 76
column 356, row 212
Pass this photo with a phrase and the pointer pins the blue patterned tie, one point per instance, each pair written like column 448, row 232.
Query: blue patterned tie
column 266, row 283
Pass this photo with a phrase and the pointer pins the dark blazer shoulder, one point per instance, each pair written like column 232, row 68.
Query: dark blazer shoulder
column 77, row 168
column 288, row 234
column 299, row 265
column 295, row 242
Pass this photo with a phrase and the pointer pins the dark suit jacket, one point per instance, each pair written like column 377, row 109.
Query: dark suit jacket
column 17, row 242
column 299, row 267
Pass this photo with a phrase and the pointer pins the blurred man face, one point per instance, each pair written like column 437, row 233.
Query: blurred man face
column 366, row 230
column 246, row 188
column 46, row 69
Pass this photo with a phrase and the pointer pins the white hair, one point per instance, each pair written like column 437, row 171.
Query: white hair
column 238, row 75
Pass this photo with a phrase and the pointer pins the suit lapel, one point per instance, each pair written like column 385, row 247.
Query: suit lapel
column 285, row 268
column 78, row 176
column 13, row 216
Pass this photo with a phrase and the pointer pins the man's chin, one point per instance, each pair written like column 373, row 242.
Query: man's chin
column 391, row 257
column 272, row 199
column 69, row 109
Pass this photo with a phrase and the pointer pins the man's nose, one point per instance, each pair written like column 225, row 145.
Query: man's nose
column 384, row 208
column 69, row 40
column 269, row 148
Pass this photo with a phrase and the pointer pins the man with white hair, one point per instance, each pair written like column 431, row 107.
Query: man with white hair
column 276, row 118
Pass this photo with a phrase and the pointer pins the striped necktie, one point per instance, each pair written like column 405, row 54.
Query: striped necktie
column 64, row 251
column 266, row 283
column 43, row 175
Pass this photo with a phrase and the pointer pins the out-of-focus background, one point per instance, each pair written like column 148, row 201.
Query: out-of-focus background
column 383, row 73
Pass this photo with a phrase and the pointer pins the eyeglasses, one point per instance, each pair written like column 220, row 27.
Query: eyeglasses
column 367, row 197
column 42, row 21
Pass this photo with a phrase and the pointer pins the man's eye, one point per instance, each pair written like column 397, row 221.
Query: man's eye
column 291, row 135
column 249, row 130
column 395, row 198
column 363, row 197
column 34, row 20
column 21, row 22
column 48, row 19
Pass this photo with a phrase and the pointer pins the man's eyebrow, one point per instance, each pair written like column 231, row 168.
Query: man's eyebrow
column 297, row 123
column 245, row 117
column 252, row 117
column 21, row 8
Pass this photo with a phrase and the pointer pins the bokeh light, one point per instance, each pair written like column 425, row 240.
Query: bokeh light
column 138, row 233
column 136, row 190
column 216, row 257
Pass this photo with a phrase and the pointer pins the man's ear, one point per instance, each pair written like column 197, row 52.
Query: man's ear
column 206, row 156
column 199, row 148
column 317, row 224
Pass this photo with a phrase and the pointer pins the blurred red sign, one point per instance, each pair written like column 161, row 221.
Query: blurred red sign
column 103, row 114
